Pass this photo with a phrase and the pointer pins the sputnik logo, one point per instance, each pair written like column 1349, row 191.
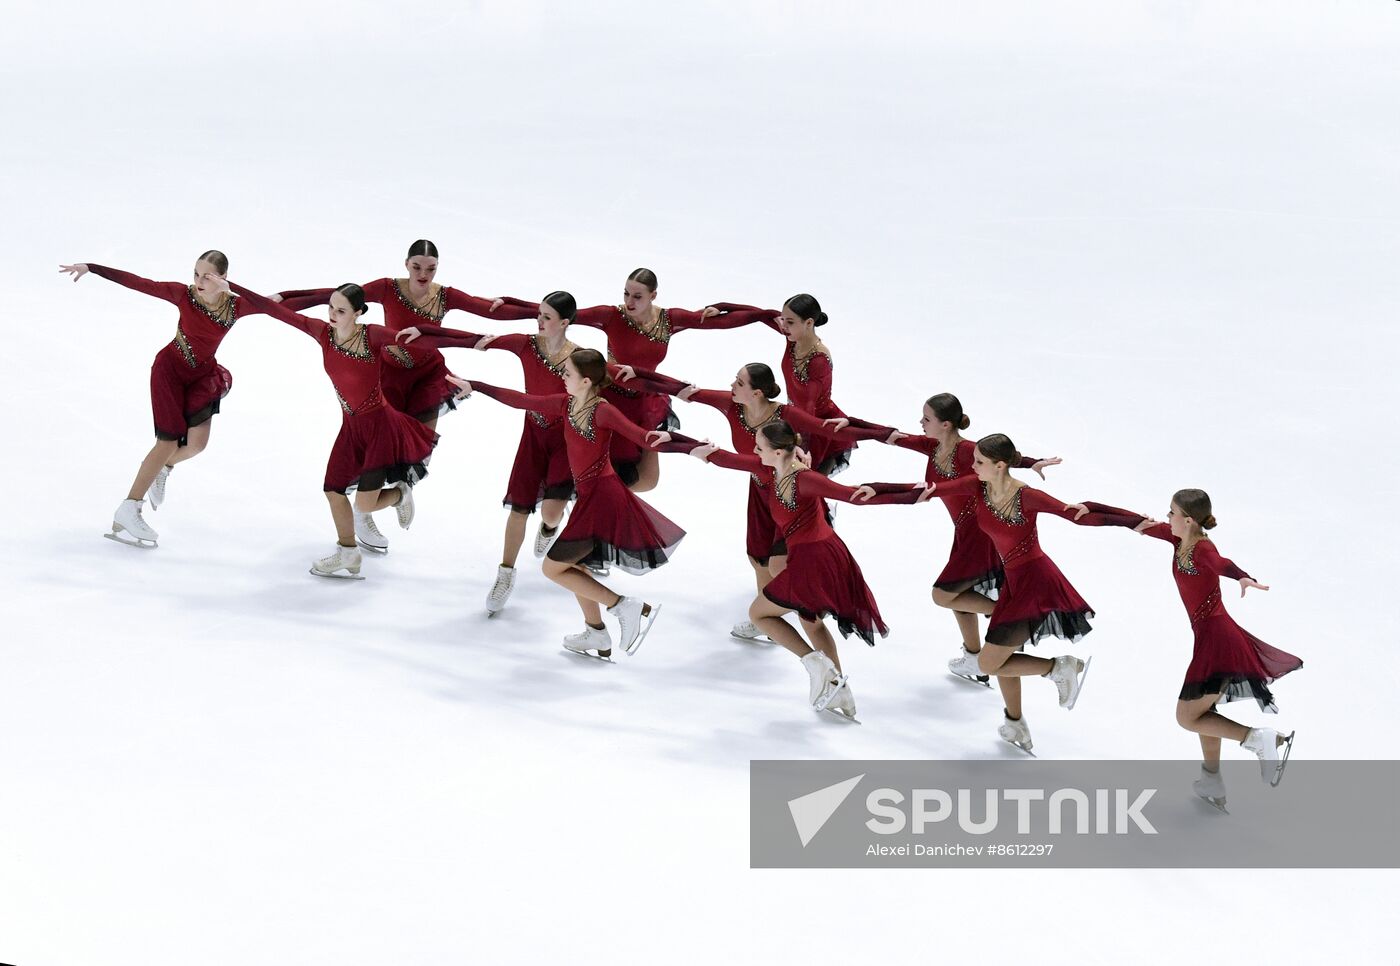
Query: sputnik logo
column 811, row 811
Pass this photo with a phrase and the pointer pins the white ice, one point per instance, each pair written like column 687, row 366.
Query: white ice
column 1156, row 239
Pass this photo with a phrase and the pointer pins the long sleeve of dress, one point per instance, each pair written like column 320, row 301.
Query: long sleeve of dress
column 768, row 317
column 442, row 337
column 596, row 316
column 610, row 418
column 1103, row 515
column 730, row 317
column 733, row 461
column 918, row 442
column 312, row 327
column 510, row 309
column 805, row 422
column 297, row 299
column 812, row 483
column 679, row 443
column 547, row 405
column 646, row 380
column 1038, row 501
column 1160, row 531
column 962, row 486
column 1205, row 555
column 168, row 291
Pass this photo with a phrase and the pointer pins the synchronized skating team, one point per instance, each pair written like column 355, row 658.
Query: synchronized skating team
column 592, row 430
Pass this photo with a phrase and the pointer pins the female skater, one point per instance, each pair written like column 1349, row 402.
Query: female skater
column 609, row 522
column 187, row 382
column 750, row 404
column 1227, row 662
column 380, row 453
column 540, row 476
column 807, row 373
column 821, row 577
column 1035, row 600
column 639, row 334
column 415, row 382
column 973, row 572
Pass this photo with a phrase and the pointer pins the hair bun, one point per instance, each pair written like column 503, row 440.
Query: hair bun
column 821, row 319
column 1209, row 522
column 964, row 423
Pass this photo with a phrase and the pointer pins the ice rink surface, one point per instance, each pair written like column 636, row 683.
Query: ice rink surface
column 1157, row 239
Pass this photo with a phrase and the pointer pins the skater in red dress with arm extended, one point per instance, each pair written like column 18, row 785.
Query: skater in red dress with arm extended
column 609, row 523
column 379, row 453
column 187, row 381
column 417, row 385
column 1227, row 662
column 1035, row 600
column 969, row 581
column 749, row 404
column 822, row 578
column 639, row 334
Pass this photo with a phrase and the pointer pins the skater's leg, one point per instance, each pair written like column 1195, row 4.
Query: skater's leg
column 822, row 640
column 372, row 501
column 195, row 442
column 343, row 516
column 961, row 599
column 648, row 472
column 1003, row 660
column 552, row 512
column 1210, row 752
column 430, row 423
column 1201, row 717
column 967, row 627
column 768, row 618
column 1011, row 695
column 516, row 522
column 579, row 582
column 777, row 564
column 160, row 455
column 761, row 574
column 592, row 614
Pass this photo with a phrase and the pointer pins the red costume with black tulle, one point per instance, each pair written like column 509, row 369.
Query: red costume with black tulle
column 763, row 539
column 609, row 522
column 1035, row 594
column 822, row 578
column 187, row 382
column 1225, row 658
column 416, row 380
column 378, row 446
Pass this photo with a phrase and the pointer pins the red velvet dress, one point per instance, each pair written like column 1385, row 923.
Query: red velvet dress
column 973, row 555
column 1226, row 659
column 1035, row 594
column 377, row 446
column 416, row 380
column 629, row 344
column 762, row 538
column 187, row 382
column 822, row 579
column 609, row 522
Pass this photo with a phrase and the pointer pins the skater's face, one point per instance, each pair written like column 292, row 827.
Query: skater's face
column 767, row 453
column 793, row 327
column 935, row 428
column 987, row 470
column 204, row 274
column 637, row 298
column 574, row 383
column 421, row 269
column 552, row 325
column 742, row 390
column 340, row 311
column 1182, row 526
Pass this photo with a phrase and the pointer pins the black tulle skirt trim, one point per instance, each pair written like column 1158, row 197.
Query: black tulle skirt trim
column 672, row 422
column 410, row 473
column 560, row 491
column 1066, row 625
column 835, row 463
column 197, row 418
column 988, row 584
column 597, row 552
column 845, row 624
column 1231, row 687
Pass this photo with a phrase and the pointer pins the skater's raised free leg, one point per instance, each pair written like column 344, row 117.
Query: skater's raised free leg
column 517, row 522
column 1201, row 717
column 372, row 501
column 768, row 618
column 159, row 456
column 343, row 516
column 1004, row 661
column 963, row 600
column 579, row 582
column 196, row 441
column 648, row 472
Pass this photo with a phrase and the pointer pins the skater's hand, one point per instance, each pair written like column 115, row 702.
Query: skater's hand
column 836, row 423
column 496, row 304
column 1248, row 582
column 661, row 437
column 703, row 451
column 709, row 312
column 483, row 342
column 895, row 437
column 928, row 489
column 464, row 388
column 1080, row 509
column 219, row 282
column 687, row 392
column 275, row 297
column 1039, row 466
column 411, row 332
column 77, row 271
column 1147, row 524
column 803, row 457
column 863, row 493
column 626, row 373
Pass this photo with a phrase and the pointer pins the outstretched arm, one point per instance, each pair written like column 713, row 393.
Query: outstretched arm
column 265, row 305
column 168, row 291
column 439, row 337
column 711, row 453
column 724, row 315
column 502, row 308
column 298, row 299
column 551, row 405
column 596, row 316
column 857, row 430
column 812, row 483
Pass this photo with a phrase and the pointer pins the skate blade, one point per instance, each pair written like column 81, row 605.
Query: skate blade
column 829, row 692
column 1020, row 747
column 381, row 551
column 136, row 542
column 1283, row 759
column 336, row 576
column 1217, row 804
column 982, row 679
column 1074, row 698
column 848, row 718
column 604, row 658
column 641, row 635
